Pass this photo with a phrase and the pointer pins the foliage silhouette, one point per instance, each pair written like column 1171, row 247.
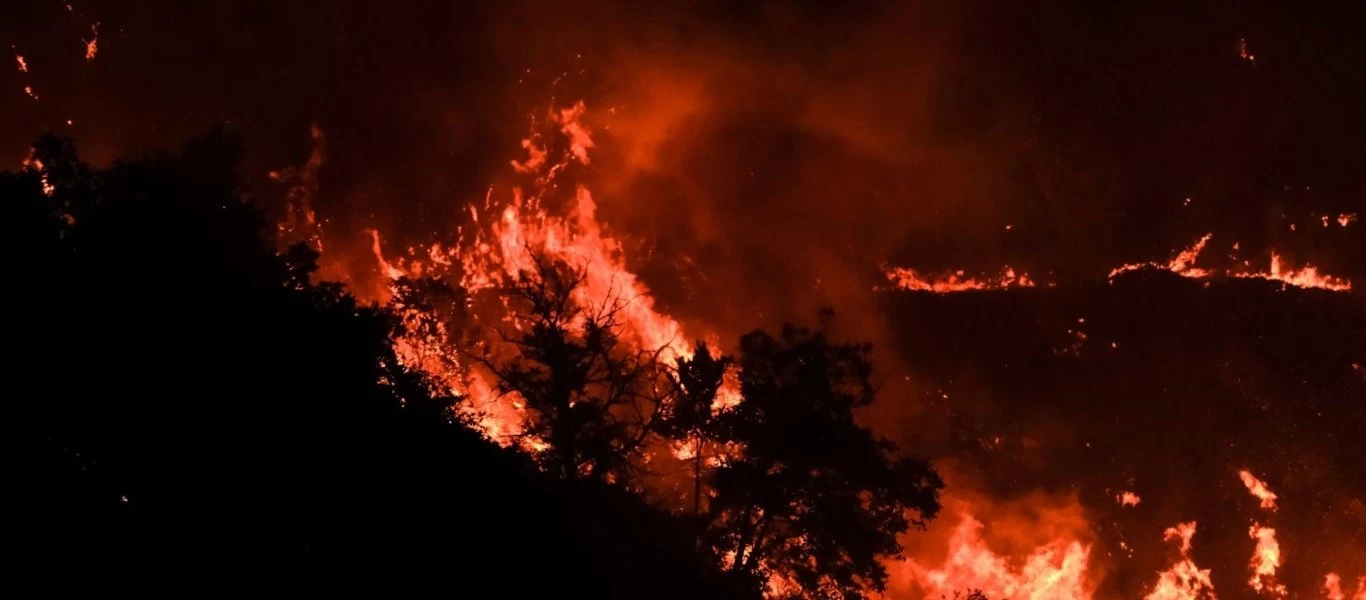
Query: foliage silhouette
column 194, row 410
column 813, row 497
column 589, row 395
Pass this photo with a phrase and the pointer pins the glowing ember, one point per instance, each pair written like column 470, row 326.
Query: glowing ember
column 1258, row 488
column 1243, row 53
column 1184, row 580
column 909, row 279
column 300, row 222
column 1128, row 499
column 32, row 163
column 1346, row 219
column 92, row 45
column 23, row 64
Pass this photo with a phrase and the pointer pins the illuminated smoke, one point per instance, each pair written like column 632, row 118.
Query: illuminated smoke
column 301, row 222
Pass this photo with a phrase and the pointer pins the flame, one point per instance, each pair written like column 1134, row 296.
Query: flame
column 909, row 279
column 92, row 45
column 1306, row 276
column 1182, row 264
column 1054, row 571
column 1184, row 580
column 1258, row 488
column 33, row 163
column 1346, row 219
column 499, row 250
column 1265, row 560
column 23, row 64
column 1127, row 499
column 1332, row 588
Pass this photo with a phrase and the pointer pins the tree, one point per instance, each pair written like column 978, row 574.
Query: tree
column 812, row 497
column 691, row 415
column 591, row 396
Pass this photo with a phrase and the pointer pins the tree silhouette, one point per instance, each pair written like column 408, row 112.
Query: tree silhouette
column 691, row 415
column 590, row 395
column 812, row 497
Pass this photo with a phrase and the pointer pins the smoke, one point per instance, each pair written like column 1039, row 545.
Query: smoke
column 757, row 163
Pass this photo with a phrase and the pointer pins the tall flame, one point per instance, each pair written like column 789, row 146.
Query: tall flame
column 1184, row 580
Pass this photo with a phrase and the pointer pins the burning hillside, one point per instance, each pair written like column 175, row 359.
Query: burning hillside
column 1109, row 265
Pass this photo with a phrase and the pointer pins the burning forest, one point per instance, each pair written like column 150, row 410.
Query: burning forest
column 897, row 300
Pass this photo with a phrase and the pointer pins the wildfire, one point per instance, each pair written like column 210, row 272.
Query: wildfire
column 909, row 279
column 1306, row 276
column 1332, row 588
column 1182, row 264
column 1258, row 488
column 1184, row 580
column 500, row 243
column 1265, row 560
column 32, row 163
column 1055, row 571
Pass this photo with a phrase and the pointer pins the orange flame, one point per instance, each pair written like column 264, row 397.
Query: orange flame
column 1127, row 499
column 1182, row 264
column 92, row 45
column 909, row 279
column 1184, row 580
column 1332, row 588
column 1265, row 560
column 1258, row 488
column 1055, row 571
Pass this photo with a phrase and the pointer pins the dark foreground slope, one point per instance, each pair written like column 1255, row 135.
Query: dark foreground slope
column 191, row 410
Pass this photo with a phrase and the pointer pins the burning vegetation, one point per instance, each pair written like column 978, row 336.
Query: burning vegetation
column 594, row 352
